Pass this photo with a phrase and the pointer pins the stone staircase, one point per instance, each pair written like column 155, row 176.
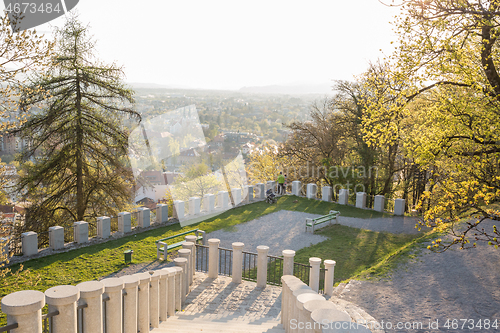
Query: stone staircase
column 179, row 324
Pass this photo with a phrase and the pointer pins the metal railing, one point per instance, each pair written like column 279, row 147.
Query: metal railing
column 9, row 327
column 47, row 321
column 274, row 270
column 301, row 271
column 225, row 261
column 201, row 264
column 249, row 266
column 322, row 273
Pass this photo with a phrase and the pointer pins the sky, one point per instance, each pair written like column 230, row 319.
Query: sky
column 231, row 44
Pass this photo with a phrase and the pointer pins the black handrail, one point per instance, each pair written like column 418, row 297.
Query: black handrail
column 9, row 327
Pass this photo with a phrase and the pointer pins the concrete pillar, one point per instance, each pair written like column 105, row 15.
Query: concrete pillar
column 299, row 303
column 329, row 276
column 314, row 273
column 260, row 191
column 162, row 294
column 63, row 299
column 399, row 207
column 103, row 227
column 25, row 308
column 131, row 285
column 344, row 196
column 250, row 194
column 208, row 203
column 56, row 238
column 171, row 271
column 154, row 299
column 236, row 193
column 194, row 205
column 144, row 219
column 30, row 243
column 192, row 239
column 91, row 294
column 262, row 251
column 179, row 210
column 312, row 190
column 310, row 306
column 81, row 232
column 178, row 284
column 326, row 193
column 213, row 258
column 189, row 255
column 237, row 268
column 379, row 203
column 288, row 256
column 182, row 263
column 288, row 283
column 296, row 186
column 222, row 200
column 124, row 222
column 323, row 317
column 292, row 304
column 161, row 213
column 361, row 200
column 143, row 302
column 271, row 184
column 113, row 288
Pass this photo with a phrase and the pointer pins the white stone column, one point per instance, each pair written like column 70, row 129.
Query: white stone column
column 250, row 193
column 81, row 232
column 113, row 288
column 178, row 284
column 326, row 316
column 182, row 263
column 213, row 258
column 361, row 200
column 154, row 299
column 294, row 311
column 289, row 283
column 379, row 203
column 161, row 213
column 171, row 271
column 236, row 193
column 194, row 206
column 312, row 189
column 314, row 273
column 344, row 196
column 103, row 227
column 296, row 185
column 144, row 218
column 91, row 294
column 310, row 306
column 299, row 303
column 56, row 238
column 208, row 203
column 222, row 200
column 163, row 294
column 63, row 299
column 29, row 243
column 329, row 276
column 262, row 251
column 237, row 268
column 131, row 285
column 189, row 255
column 192, row 239
column 179, row 210
column 271, row 184
column 399, row 207
column 261, row 192
column 124, row 222
column 143, row 302
column 25, row 308
column 326, row 193
column 288, row 256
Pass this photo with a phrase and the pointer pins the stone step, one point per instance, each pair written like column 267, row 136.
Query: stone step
column 179, row 325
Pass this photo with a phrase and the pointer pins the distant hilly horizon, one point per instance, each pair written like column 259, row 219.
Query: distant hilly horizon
column 286, row 89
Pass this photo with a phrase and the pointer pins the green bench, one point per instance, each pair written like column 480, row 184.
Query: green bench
column 161, row 244
column 313, row 223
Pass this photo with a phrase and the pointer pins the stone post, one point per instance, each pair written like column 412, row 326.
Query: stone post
column 262, row 251
column 271, row 185
column 91, row 294
column 296, row 186
column 261, row 192
column 288, row 256
column 163, row 294
column 250, row 195
column 124, row 222
column 25, row 308
column 143, row 302
column 56, row 238
column 208, row 203
column 192, row 239
column 292, row 303
column 310, row 306
column 314, row 273
column 161, row 213
column 182, row 263
column 399, row 207
column 113, row 288
column 171, row 271
column 329, row 276
column 361, row 200
column 154, row 299
column 213, row 258
column 299, row 303
column 289, row 283
column 144, row 219
column 178, row 284
column 223, row 200
column 131, row 284
column 63, row 299
column 344, row 196
column 179, row 210
column 194, row 206
column 312, row 189
column 103, row 227
column 320, row 317
column 81, row 232
column 189, row 246
column 236, row 193
column 379, row 203
column 30, row 243
column 326, row 193
column 237, row 268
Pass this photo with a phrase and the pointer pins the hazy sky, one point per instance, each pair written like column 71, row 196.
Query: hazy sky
column 231, row 44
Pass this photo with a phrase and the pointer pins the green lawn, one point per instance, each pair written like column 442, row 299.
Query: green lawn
column 354, row 250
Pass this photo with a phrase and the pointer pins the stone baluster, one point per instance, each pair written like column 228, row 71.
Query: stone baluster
column 143, row 301
column 163, row 294
column 161, row 213
column 288, row 256
column 329, row 276
column 313, row 305
column 262, row 251
column 81, row 232
column 213, row 258
column 344, row 196
column 131, row 284
column 91, row 294
column 144, row 217
column 154, row 299
column 29, row 242
column 294, row 310
column 312, row 189
column 25, row 309
column 113, row 288
column 296, row 186
column 103, row 227
column 192, row 239
column 171, row 292
column 179, row 210
column 178, row 284
column 63, row 299
column 183, row 253
column 361, row 200
column 237, row 268
column 379, row 203
column 124, row 222
column 56, row 238
column 326, row 193
column 181, row 263
column 299, row 303
column 399, row 207
column 314, row 273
